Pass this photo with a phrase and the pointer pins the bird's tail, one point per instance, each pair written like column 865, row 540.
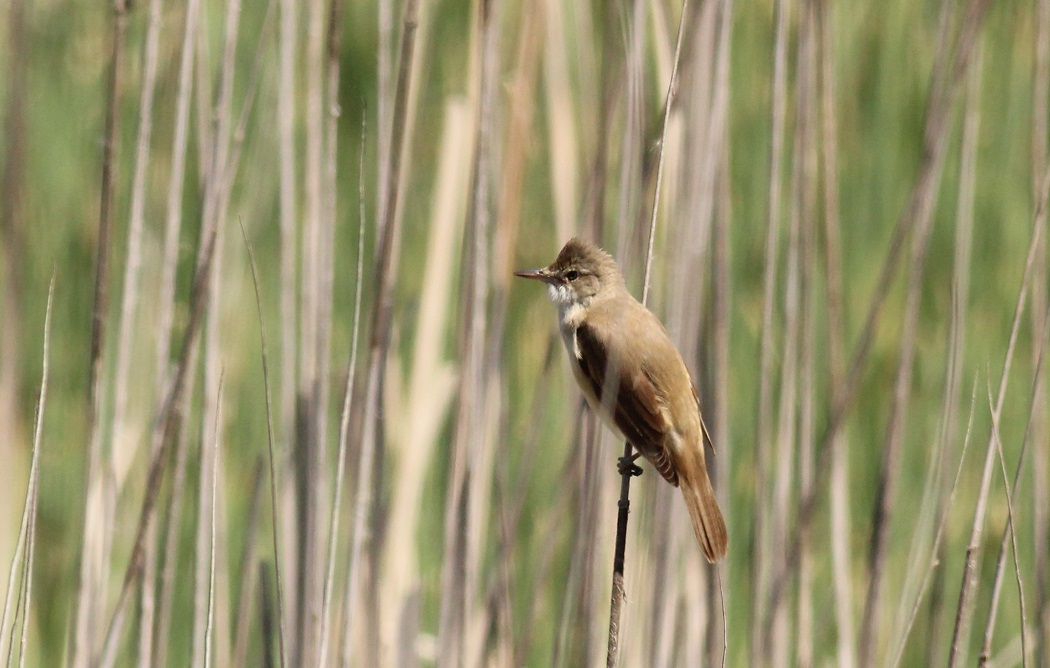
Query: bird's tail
column 703, row 508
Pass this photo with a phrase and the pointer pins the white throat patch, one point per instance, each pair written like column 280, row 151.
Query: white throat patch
column 570, row 309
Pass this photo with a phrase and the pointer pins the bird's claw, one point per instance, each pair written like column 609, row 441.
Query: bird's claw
column 626, row 466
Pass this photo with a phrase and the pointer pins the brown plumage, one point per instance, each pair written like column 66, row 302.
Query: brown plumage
column 633, row 376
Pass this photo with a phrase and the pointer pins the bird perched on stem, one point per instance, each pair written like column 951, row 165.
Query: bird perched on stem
column 634, row 378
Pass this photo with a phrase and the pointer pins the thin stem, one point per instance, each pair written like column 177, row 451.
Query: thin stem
column 625, row 479
column 270, row 438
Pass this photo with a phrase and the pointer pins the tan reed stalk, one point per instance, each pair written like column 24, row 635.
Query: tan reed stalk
column 27, row 526
column 308, row 444
column 210, row 427
column 1041, row 449
column 761, row 566
column 213, row 483
column 173, row 532
column 778, row 643
column 807, row 185
column 836, row 337
column 936, row 486
column 93, row 562
column 891, row 448
column 124, row 441
column 1009, row 532
column 944, row 512
column 133, row 258
column 429, row 387
column 964, row 610
column 344, row 416
column 274, row 507
column 166, row 432
column 935, row 143
column 173, row 219
column 617, row 596
column 379, row 342
column 287, row 96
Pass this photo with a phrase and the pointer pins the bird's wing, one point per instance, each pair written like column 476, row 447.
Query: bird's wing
column 635, row 402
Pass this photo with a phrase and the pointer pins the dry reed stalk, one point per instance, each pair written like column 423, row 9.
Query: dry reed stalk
column 487, row 319
column 27, row 526
column 777, row 649
column 1009, row 532
column 287, row 96
column 836, row 337
column 934, row 145
column 216, row 198
column 964, row 611
column 807, row 185
column 123, row 439
column 722, row 328
column 210, row 427
column 93, row 557
column 882, row 514
column 763, row 550
column 632, row 149
column 172, row 534
column 379, row 342
column 213, row 483
column 309, row 452
column 431, row 380
column 687, row 198
column 166, row 432
column 1041, row 454
column 935, row 490
column 461, row 558
column 344, row 415
column 561, row 122
column 944, row 512
column 245, row 603
column 384, row 101
column 274, row 507
column 173, row 219
column 624, row 504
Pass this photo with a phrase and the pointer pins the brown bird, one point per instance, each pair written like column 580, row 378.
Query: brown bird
column 634, row 378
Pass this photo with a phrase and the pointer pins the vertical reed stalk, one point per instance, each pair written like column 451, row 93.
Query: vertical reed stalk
column 274, row 506
column 211, row 506
column 935, row 550
column 27, row 527
column 93, row 562
column 344, row 422
column 807, row 180
column 964, row 610
column 379, row 342
column 762, row 556
column 624, row 505
column 836, row 337
column 941, row 103
column 1041, row 448
column 1010, row 531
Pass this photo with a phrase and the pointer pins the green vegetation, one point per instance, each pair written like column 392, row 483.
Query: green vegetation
column 478, row 505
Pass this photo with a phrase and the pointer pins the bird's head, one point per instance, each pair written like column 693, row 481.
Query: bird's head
column 581, row 272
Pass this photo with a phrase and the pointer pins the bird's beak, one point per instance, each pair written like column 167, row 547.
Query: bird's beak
column 538, row 274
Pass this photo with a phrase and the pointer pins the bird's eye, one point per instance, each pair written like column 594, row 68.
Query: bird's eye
column 572, row 275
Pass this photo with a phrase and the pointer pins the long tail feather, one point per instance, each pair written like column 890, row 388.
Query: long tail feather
column 703, row 508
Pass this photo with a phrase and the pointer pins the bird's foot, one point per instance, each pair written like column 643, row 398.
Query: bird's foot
column 626, row 466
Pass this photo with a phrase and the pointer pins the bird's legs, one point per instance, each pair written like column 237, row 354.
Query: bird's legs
column 626, row 465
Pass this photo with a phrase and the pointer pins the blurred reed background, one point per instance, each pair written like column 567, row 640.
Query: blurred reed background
column 290, row 408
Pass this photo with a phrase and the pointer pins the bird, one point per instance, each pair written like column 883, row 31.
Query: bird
column 634, row 378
